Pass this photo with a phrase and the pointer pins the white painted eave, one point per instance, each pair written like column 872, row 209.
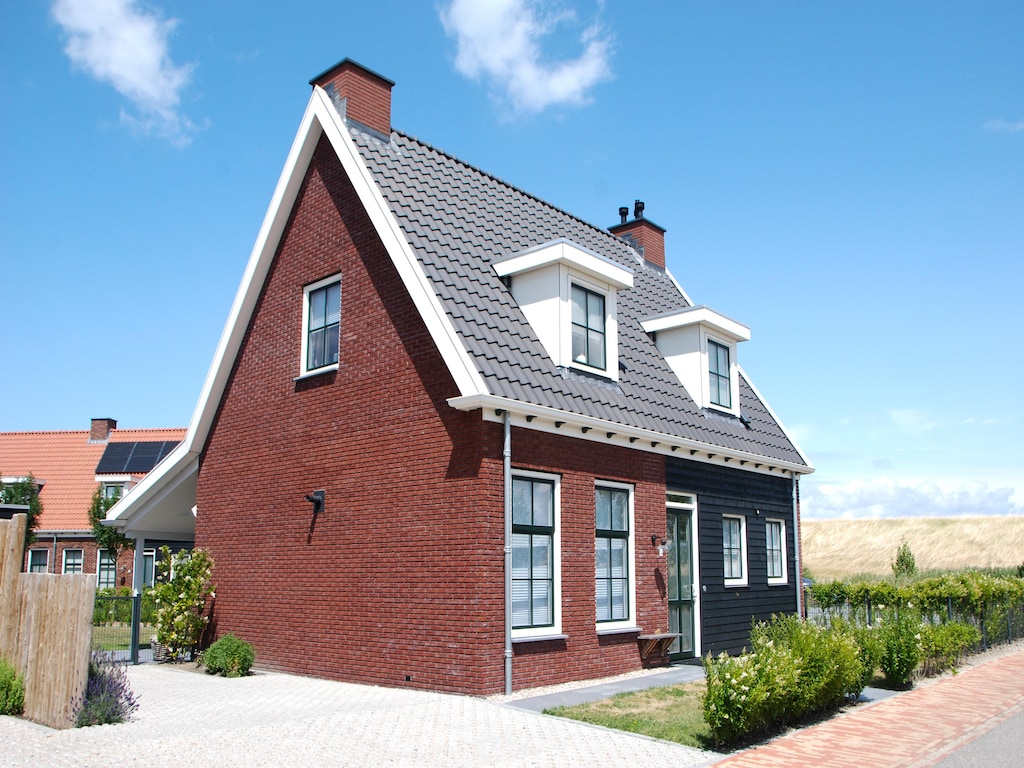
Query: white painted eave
column 564, row 251
column 554, row 421
column 699, row 315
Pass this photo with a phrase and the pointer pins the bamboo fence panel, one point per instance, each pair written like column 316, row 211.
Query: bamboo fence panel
column 47, row 632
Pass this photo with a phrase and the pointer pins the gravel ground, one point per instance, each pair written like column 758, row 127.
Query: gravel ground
column 187, row 718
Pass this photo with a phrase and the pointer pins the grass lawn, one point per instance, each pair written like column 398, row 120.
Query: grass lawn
column 117, row 637
column 673, row 713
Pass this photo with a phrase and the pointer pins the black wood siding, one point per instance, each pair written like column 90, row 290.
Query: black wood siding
column 726, row 614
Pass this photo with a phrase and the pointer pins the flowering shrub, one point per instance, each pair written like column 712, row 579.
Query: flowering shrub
column 108, row 694
column 180, row 596
column 12, row 690
column 794, row 669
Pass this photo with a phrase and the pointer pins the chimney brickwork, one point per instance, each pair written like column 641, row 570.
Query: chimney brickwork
column 367, row 94
column 647, row 235
column 101, row 429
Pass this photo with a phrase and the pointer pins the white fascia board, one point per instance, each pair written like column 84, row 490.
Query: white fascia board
column 701, row 315
column 543, row 418
column 563, row 251
column 460, row 365
column 153, row 487
column 810, row 467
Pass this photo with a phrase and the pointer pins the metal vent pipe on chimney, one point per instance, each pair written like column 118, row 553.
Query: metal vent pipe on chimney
column 623, row 214
column 638, row 209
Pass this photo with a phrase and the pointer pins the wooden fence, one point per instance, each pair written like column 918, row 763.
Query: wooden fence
column 45, row 630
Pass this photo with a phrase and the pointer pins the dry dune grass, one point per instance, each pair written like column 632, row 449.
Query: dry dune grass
column 836, row 549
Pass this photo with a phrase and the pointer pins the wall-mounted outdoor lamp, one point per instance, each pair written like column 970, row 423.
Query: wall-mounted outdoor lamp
column 660, row 543
column 316, row 498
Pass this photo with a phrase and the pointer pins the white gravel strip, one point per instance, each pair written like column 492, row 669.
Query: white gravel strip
column 187, row 718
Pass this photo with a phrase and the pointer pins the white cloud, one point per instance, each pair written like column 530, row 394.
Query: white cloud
column 911, row 419
column 885, row 497
column 500, row 41
column 1005, row 126
column 118, row 43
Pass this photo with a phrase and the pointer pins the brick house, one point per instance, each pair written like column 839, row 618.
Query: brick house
column 456, row 438
column 68, row 467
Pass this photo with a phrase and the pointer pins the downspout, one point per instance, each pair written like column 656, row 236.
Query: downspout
column 53, row 561
column 796, row 546
column 506, row 454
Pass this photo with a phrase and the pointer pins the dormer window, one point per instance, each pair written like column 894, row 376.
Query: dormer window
column 719, row 374
column 588, row 327
column 700, row 346
column 568, row 295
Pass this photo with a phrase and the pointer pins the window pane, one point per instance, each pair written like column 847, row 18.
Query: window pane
column 604, row 601
column 619, row 599
column 602, row 558
column 317, row 308
column 542, row 603
column 579, row 344
column 603, row 513
column 595, row 312
column 522, row 502
column 541, row 557
column 620, row 510
column 331, row 345
column 595, row 349
column 543, row 503
column 333, row 303
column 579, row 305
column 316, row 349
column 520, row 556
column 520, row 603
column 618, row 557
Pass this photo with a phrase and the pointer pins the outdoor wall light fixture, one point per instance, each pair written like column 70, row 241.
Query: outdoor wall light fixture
column 316, row 498
column 660, row 543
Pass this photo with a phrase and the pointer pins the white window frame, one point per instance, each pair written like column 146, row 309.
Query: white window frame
column 64, row 560
column 46, row 560
column 784, row 578
column 555, row 630
column 304, row 357
column 742, row 580
column 630, row 622
column 734, row 379
column 100, row 552
column 149, row 554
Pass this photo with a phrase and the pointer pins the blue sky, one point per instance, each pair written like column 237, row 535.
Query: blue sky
column 847, row 179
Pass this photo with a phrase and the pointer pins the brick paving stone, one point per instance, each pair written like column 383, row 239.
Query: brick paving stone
column 913, row 730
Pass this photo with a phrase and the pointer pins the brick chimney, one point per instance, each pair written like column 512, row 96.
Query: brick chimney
column 365, row 95
column 101, row 429
column 644, row 235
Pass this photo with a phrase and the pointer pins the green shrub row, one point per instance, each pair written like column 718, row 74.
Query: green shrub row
column 794, row 669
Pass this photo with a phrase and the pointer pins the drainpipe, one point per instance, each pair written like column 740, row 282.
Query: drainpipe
column 796, row 546
column 53, row 560
column 506, row 454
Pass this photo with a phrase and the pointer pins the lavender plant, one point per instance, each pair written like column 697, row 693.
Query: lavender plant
column 108, row 695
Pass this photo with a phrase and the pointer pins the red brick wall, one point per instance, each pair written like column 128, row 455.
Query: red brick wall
column 400, row 580
column 368, row 94
column 90, row 560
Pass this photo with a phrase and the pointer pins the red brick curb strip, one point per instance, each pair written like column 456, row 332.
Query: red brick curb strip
column 915, row 729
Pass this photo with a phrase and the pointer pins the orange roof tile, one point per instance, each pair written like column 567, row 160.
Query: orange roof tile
column 66, row 461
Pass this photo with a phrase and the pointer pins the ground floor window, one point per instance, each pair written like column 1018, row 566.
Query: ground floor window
column 38, row 560
column 533, row 552
column 106, row 570
column 612, row 553
column 72, row 561
column 775, row 543
column 148, row 567
column 734, row 550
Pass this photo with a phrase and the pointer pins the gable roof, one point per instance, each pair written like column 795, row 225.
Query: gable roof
column 444, row 223
column 67, row 462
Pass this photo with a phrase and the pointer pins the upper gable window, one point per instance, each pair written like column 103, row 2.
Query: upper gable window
column 568, row 295
column 719, row 374
column 321, row 322
column 588, row 327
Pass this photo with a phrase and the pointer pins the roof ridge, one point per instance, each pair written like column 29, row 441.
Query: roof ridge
column 511, row 186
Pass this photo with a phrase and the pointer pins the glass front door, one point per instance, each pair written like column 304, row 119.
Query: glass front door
column 680, row 583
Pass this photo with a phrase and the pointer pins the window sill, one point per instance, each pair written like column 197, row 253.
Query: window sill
column 539, row 638
column 778, row 583
column 736, row 584
column 616, row 630
column 317, row 372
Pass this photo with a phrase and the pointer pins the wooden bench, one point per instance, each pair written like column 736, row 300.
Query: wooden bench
column 649, row 644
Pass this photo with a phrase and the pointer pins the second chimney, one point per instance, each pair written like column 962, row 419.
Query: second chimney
column 648, row 236
column 101, row 429
column 367, row 95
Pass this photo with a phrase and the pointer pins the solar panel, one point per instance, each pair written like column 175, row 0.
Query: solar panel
column 133, row 457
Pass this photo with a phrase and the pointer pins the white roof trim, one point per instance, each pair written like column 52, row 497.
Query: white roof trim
column 778, row 421
column 320, row 118
column 564, row 251
column 543, row 418
column 698, row 315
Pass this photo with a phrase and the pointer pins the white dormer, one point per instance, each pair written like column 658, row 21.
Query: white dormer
column 700, row 346
column 568, row 294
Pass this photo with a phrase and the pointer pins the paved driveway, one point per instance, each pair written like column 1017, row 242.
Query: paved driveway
column 187, row 718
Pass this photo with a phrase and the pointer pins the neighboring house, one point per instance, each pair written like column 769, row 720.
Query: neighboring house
column 68, row 468
column 456, row 438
